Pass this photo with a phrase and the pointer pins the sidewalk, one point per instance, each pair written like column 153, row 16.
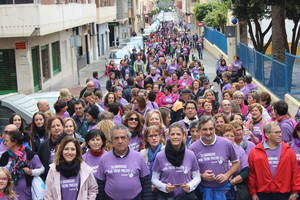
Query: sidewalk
column 84, row 74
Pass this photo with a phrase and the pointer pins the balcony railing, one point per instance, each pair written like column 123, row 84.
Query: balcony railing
column 2, row 2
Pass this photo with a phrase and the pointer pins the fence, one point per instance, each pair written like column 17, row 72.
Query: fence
column 217, row 38
column 280, row 78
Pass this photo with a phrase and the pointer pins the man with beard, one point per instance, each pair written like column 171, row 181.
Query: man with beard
column 79, row 118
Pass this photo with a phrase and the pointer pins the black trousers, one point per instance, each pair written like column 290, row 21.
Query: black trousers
column 273, row 196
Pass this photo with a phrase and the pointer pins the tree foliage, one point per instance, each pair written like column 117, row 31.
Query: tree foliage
column 252, row 11
column 214, row 14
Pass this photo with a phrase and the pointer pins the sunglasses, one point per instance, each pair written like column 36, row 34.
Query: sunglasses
column 133, row 119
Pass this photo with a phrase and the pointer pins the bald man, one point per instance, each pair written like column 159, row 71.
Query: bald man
column 90, row 86
column 43, row 105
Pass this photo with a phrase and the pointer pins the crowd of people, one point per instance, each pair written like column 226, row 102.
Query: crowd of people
column 161, row 132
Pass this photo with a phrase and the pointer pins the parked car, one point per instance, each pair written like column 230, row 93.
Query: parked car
column 24, row 105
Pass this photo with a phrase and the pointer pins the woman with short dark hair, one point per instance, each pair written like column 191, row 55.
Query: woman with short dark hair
column 95, row 141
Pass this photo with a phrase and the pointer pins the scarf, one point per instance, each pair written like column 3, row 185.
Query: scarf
column 188, row 121
column 173, row 156
column 56, row 142
column 18, row 162
column 297, row 142
column 152, row 155
column 134, row 133
column 41, row 131
column 68, row 169
column 96, row 153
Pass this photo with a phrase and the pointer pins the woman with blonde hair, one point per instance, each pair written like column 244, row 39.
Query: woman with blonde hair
column 105, row 126
column 6, row 185
column 154, row 118
column 66, row 95
column 70, row 128
column 69, row 176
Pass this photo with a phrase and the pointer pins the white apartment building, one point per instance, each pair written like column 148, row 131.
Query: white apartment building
column 44, row 41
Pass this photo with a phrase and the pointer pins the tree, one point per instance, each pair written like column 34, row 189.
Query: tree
column 214, row 14
column 293, row 13
column 201, row 10
column 254, row 11
column 217, row 17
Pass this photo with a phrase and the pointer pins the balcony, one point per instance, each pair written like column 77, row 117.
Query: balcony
column 122, row 9
column 106, row 14
column 24, row 20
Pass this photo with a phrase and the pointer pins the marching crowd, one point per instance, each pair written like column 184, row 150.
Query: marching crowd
column 162, row 132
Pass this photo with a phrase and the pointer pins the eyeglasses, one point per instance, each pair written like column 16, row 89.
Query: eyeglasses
column 4, row 179
column 133, row 119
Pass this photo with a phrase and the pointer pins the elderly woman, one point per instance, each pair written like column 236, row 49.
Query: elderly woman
column 69, row 176
column 210, row 95
column 175, row 170
column 134, row 123
column 239, row 97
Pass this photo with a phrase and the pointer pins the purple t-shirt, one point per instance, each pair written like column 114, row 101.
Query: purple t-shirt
column 257, row 130
column 297, row 151
column 69, row 187
column 226, row 87
column 273, row 158
column 151, row 105
column 92, row 161
column 287, row 129
column 122, row 175
column 214, row 157
column 21, row 188
column 123, row 101
column 171, row 68
column 176, row 175
column 134, row 143
column 242, row 156
column 117, row 120
column 249, row 145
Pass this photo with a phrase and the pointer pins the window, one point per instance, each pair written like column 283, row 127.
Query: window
column 56, row 57
column 45, row 62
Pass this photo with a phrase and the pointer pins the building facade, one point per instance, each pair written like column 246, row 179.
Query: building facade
column 44, row 41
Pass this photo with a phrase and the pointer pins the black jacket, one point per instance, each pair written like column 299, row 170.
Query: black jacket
column 44, row 153
column 29, row 155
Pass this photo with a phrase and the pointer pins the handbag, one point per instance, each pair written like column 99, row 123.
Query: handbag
column 38, row 188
